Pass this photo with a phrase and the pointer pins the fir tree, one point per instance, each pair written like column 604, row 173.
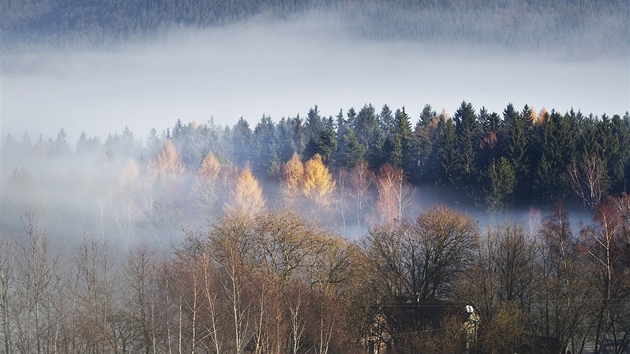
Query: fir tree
column 445, row 152
column 468, row 131
column 501, row 180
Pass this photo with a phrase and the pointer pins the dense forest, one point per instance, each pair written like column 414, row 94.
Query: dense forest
column 583, row 27
column 321, row 234
column 519, row 157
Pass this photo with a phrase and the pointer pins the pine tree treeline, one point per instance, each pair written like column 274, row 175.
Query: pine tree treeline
column 518, row 157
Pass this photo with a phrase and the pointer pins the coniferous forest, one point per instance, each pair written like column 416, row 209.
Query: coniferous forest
column 372, row 230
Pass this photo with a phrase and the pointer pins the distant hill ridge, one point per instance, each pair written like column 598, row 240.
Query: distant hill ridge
column 506, row 22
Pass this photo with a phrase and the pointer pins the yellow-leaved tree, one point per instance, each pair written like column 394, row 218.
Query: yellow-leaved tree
column 204, row 191
column 208, row 172
column 318, row 184
column 209, row 169
column 166, row 162
column 246, row 197
column 293, row 172
column 308, row 187
column 163, row 207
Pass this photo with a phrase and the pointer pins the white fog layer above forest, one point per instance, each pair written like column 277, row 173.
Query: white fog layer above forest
column 280, row 68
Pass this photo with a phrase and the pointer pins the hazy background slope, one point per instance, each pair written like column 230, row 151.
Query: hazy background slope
column 98, row 66
column 512, row 23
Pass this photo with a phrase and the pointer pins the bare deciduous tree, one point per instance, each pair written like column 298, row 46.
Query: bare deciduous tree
column 422, row 258
column 7, row 289
column 607, row 245
column 361, row 178
column 588, row 179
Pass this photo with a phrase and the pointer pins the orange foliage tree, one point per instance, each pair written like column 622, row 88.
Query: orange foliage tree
column 311, row 181
column 208, row 171
column 246, row 197
column 167, row 161
column 293, row 172
column 318, row 184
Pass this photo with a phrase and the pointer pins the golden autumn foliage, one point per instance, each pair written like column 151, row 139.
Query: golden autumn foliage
column 533, row 117
column 209, row 169
column 318, row 182
column 311, row 180
column 293, row 173
column 208, row 172
column 246, row 197
column 542, row 116
column 166, row 161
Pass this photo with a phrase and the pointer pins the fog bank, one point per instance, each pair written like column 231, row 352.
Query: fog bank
column 282, row 68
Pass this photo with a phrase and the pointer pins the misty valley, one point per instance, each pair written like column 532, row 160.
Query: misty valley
column 350, row 226
column 368, row 230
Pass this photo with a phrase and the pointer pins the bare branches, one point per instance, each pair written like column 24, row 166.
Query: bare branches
column 588, row 179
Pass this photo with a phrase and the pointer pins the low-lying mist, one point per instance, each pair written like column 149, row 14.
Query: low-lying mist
column 282, row 67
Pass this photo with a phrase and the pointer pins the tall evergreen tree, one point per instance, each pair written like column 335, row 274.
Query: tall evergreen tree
column 588, row 140
column 285, row 150
column 263, row 145
column 386, row 120
column 366, row 125
column 314, row 123
column 468, row 131
column 298, row 134
column 242, row 142
column 501, row 180
column 352, row 117
column 352, row 151
column 397, row 148
column 445, row 152
column 420, row 149
column 342, row 124
column 558, row 150
column 490, row 141
column 618, row 155
column 427, row 115
column 324, row 144
column 516, row 150
column 376, row 151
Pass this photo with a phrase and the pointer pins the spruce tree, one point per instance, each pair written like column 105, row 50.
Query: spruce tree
column 516, row 150
column 314, row 123
column 501, row 181
column 397, row 144
column 264, row 138
column 353, row 151
column 386, row 120
column 445, row 153
column 618, row 157
column 420, row 149
column 427, row 115
column 558, row 150
column 467, row 129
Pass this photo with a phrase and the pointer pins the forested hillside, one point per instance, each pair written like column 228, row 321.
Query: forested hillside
column 518, row 157
column 215, row 239
column 580, row 25
column 373, row 228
